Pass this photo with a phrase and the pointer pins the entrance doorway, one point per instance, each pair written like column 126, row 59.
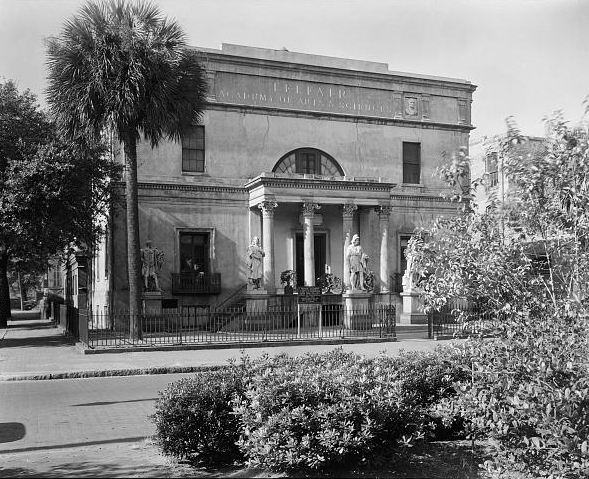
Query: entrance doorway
column 320, row 240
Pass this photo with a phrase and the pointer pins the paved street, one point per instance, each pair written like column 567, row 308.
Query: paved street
column 93, row 427
column 76, row 412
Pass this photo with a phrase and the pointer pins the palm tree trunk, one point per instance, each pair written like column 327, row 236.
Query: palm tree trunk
column 133, row 247
column 4, row 292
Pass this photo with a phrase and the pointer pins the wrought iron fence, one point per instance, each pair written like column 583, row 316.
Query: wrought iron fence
column 242, row 325
column 461, row 319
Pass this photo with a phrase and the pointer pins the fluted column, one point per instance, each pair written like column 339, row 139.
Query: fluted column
column 309, row 241
column 384, row 213
column 267, row 208
column 348, row 224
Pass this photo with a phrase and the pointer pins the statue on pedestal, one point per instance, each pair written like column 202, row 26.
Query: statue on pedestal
column 357, row 262
column 255, row 255
column 152, row 260
column 411, row 276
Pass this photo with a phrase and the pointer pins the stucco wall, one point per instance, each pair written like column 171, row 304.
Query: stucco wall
column 240, row 146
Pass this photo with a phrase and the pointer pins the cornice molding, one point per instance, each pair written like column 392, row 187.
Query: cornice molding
column 195, row 188
column 388, row 77
column 319, row 184
column 422, row 198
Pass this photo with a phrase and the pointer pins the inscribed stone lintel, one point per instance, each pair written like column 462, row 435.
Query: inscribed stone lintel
column 261, row 91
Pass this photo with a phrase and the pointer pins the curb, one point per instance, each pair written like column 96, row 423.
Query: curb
column 204, row 346
column 108, row 373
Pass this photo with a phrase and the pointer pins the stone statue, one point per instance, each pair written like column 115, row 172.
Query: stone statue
column 411, row 276
column 357, row 264
column 255, row 254
column 408, row 275
column 152, row 260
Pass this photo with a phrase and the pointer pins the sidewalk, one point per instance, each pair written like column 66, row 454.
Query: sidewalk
column 31, row 348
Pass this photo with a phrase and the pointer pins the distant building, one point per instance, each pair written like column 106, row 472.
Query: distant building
column 302, row 151
column 487, row 162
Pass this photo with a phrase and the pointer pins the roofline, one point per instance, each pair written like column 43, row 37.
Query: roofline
column 281, row 58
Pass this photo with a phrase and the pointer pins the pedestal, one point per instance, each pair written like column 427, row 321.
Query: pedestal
column 152, row 302
column 256, row 300
column 412, row 309
column 356, row 310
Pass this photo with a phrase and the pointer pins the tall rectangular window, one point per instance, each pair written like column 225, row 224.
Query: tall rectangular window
column 193, row 150
column 492, row 168
column 194, row 252
column 56, row 276
column 411, row 162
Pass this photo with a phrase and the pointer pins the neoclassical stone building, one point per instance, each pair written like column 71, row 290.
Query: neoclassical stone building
column 302, row 151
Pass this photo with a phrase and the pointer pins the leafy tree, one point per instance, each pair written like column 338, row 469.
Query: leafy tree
column 49, row 188
column 26, row 277
column 529, row 388
column 22, row 128
column 124, row 67
column 492, row 257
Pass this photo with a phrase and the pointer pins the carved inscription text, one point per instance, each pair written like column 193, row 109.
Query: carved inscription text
column 302, row 95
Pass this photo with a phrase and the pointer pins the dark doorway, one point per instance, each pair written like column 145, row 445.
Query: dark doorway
column 320, row 240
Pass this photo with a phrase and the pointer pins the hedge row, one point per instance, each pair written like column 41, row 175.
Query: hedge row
column 307, row 412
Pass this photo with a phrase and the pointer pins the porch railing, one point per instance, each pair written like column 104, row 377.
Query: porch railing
column 240, row 325
column 200, row 283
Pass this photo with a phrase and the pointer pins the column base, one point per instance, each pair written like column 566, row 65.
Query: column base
column 152, row 302
column 413, row 318
column 412, row 309
column 356, row 310
column 256, row 300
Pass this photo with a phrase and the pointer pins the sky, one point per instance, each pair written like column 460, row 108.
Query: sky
column 528, row 58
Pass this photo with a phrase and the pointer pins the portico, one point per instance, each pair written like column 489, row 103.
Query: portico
column 311, row 206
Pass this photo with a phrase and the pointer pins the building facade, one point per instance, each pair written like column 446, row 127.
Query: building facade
column 487, row 162
column 301, row 151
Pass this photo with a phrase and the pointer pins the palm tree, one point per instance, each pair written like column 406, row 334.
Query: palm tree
column 125, row 67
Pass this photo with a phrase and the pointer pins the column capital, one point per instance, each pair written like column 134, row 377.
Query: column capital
column 309, row 208
column 383, row 211
column 348, row 210
column 268, row 207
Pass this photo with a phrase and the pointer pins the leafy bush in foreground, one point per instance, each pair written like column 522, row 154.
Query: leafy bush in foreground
column 194, row 420
column 313, row 411
column 529, row 396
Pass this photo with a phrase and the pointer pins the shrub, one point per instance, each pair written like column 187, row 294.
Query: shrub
column 529, row 396
column 313, row 411
column 429, row 378
column 194, row 420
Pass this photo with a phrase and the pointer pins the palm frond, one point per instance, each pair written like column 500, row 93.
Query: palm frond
column 124, row 65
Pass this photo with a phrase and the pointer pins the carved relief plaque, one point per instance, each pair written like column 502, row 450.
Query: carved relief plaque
column 410, row 106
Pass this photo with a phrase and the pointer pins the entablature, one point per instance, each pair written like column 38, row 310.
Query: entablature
column 295, row 188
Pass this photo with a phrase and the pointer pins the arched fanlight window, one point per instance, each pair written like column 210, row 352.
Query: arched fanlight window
column 310, row 161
